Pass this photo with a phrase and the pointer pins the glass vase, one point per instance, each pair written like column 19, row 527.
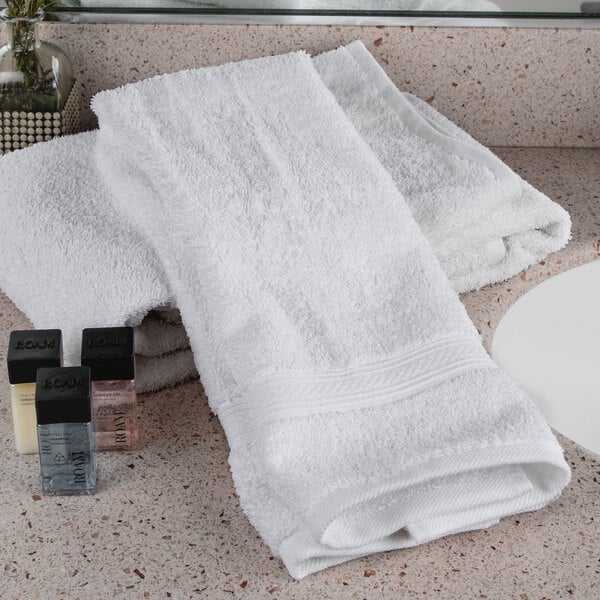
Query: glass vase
column 35, row 76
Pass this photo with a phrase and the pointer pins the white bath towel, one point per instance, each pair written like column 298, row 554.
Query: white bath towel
column 361, row 410
column 482, row 220
column 69, row 262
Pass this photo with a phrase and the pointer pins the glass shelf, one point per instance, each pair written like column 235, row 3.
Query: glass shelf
column 539, row 13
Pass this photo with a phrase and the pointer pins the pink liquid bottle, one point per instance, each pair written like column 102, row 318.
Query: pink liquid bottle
column 108, row 352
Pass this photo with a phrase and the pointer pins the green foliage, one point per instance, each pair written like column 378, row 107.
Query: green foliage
column 35, row 90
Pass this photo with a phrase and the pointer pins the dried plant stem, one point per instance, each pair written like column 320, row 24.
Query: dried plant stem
column 27, row 8
column 36, row 89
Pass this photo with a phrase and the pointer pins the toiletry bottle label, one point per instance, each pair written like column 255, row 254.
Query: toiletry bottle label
column 66, row 458
column 115, row 415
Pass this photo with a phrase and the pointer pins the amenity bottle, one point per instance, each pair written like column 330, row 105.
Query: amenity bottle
column 65, row 431
column 29, row 351
column 108, row 352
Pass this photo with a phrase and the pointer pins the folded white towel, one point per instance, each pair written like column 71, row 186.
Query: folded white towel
column 361, row 410
column 156, row 337
column 154, row 373
column 68, row 261
column 163, row 354
column 483, row 221
column 168, row 314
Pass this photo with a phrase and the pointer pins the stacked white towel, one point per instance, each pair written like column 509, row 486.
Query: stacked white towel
column 361, row 410
column 483, row 222
column 69, row 262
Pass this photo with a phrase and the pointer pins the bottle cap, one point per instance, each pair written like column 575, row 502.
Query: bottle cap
column 62, row 395
column 31, row 350
column 108, row 352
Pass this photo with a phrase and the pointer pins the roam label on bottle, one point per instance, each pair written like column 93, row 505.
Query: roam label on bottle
column 104, row 341
column 115, row 416
column 67, row 458
column 35, row 344
column 65, row 431
column 59, row 383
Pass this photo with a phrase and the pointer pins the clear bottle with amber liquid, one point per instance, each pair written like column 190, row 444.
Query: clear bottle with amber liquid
column 109, row 353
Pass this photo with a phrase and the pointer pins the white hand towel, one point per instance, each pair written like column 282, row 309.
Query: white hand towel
column 482, row 228
column 483, row 221
column 361, row 410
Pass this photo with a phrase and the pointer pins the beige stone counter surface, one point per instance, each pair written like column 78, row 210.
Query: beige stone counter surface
column 166, row 523
column 506, row 86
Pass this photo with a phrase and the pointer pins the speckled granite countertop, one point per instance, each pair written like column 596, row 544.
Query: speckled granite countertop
column 166, row 523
